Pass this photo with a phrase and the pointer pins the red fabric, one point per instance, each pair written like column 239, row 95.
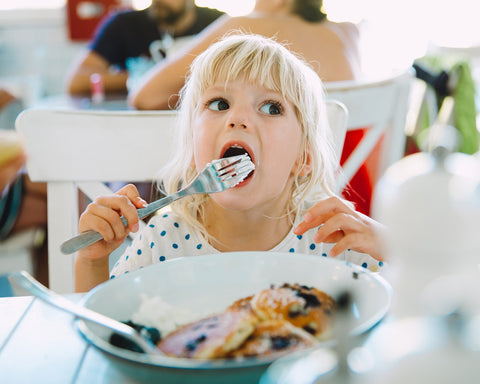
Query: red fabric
column 360, row 188
column 411, row 146
column 83, row 16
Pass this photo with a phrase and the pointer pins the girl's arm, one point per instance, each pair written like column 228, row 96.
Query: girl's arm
column 349, row 229
column 160, row 86
column 103, row 215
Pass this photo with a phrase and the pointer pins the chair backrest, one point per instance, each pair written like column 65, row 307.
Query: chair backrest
column 73, row 149
column 380, row 105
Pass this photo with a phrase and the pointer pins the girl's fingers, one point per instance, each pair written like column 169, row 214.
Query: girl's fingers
column 322, row 212
column 90, row 221
column 110, row 208
column 340, row 223
column 131, row 192
column 334, row 237
column 330, row 206
column 347, row 242
column 110, row 218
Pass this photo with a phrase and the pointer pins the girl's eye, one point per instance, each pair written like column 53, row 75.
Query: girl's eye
column 218, row 105
column 271, row 108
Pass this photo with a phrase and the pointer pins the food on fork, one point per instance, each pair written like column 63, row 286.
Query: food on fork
column 10, row 145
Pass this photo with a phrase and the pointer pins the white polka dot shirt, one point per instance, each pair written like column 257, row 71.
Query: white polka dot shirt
column 167, row 236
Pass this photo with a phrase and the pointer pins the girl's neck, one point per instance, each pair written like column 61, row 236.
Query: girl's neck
column 245, row 231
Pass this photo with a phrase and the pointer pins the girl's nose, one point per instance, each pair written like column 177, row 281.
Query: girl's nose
column 238, row 118
column 240, row 125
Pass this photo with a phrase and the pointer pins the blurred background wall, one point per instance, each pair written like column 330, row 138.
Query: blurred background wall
column 36, row 47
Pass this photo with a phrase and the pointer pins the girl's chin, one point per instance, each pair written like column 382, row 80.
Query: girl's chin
column 231, row 203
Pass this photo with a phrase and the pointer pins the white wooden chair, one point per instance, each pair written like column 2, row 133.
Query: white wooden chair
column 380, row 105
column 72, row 149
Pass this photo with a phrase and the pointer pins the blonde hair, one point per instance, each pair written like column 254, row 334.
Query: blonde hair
column 256, row 60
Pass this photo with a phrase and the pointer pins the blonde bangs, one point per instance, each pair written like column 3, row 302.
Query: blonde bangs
column 257, row 63
column 263, row 62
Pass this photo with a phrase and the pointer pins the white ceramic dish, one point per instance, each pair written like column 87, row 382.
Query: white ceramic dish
column 209, row 284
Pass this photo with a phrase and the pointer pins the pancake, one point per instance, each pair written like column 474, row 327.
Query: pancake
column 274, row 337
column 241, row 304
column 212, row 337
column 304, row 307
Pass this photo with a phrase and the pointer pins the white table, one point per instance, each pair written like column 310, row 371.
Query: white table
column 39, row 344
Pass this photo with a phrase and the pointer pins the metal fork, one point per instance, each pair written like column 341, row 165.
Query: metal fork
column 26, row 281
column 217, row 176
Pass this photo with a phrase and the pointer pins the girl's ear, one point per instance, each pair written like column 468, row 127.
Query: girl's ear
column 303, row 168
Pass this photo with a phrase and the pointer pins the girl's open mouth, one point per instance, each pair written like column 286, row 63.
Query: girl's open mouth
column 237, row 149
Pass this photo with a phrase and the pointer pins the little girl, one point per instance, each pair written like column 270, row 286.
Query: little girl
column 247, row 94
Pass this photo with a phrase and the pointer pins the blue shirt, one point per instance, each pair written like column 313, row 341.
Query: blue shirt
column 128, row 34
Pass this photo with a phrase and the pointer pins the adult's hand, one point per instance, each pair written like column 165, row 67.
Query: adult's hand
column 5, row 98
column 9, row 170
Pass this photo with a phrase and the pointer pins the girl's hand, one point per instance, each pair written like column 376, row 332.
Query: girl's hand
column 344, row 226
column 103, row 216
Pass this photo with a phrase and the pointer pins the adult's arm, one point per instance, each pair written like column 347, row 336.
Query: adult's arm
column 78, row 79
column 159, row 87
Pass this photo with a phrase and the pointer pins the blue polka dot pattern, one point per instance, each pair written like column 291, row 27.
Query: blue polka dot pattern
column 151, row 225
column 163, row 233
column 166, row 215
column 175, row 225
column 380, row 263
column 199, row 246
column 162, row 258
column 364, row 265
column 187, row 236
column 112, row 277
column 139, row 251
column 291, row 250
column 175, row 245
column 324, row 254
column 312, row 246
column 152, row 244
column 127, row 257
column 299, row 237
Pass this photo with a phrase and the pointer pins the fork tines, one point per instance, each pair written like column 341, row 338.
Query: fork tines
column 234, row 169
column 222, row 163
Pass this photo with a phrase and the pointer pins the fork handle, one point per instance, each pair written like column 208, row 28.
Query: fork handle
column 87, row 238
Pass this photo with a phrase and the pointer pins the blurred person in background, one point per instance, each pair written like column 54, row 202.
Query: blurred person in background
column 330, row 48
column 23, row 203
column 133, row 37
